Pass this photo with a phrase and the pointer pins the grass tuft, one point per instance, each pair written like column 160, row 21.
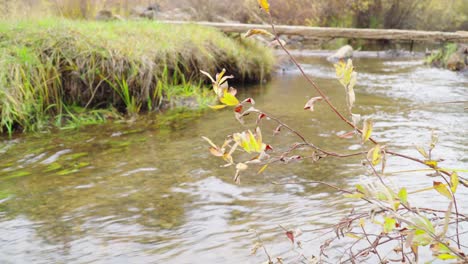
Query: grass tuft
column 47, row 66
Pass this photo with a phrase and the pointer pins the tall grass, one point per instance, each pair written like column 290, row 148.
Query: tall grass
column 132, row 66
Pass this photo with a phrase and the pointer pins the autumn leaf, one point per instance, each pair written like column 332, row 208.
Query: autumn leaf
column 454, row 182
column 403, row 196
column 344, row 72
column 442, row 189
column 431, row 163
column 255, row 31
column 290, row 235
column 367, row 130
column 264, row 5
column 422, row 151
column 347, row 135
column 310, row 104
column 350, row 89
column 262, row 169
column 255, row 248
column 250, row 142
column 229, row 99
column 239, row 168
column 217, row 107
column 353, row 236
column 389, row 224
column 209, row 76
column 374, row 155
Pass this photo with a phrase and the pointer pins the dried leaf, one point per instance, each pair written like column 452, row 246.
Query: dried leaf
column 238, row 108
column 442, row 189
column 209, row 76
column 446, row 220
column 260, row 117
column 264, row 5
column 415, row 249
column 216, row 152
column 255, row 248
column 350, row 89
column 239, row 168
column 290, row 235
column 232, row 91
column 356, row 118
column 350, row 134
column 422, row 151
column 277, row 130
column 367, row 130
column 255, row 31
column 210, row 142
column 434, row 140
column 310, row 104
column 353, row 236
column 249, row 100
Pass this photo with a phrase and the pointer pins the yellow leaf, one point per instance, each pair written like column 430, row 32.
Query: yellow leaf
column 442, row 189
column 262, row 169
column 431, row 163
column 351, row 235
column 354, row 195
column 256, row 31
column 389, row 224
column 454, row 181
column 374, row 155
column 253, row 142
column 446, row 256
column 362, row 222
column 259, row 139
column 217, row 107
column 367, row 130
column 403, row 196
column 265, row 5
column 229, row 99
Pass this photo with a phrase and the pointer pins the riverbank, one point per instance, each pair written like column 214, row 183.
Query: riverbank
column 55, row 72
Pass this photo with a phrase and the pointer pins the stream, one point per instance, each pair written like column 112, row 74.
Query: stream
column 150, row 192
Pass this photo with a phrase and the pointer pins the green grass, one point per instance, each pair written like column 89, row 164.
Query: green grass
column 441, row 56
column 50, row 67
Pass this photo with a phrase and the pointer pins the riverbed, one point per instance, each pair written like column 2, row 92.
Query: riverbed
column 150, row 192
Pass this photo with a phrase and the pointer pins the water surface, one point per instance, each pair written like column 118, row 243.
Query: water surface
column 149, row 192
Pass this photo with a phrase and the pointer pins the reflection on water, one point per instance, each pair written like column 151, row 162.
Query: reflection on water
column 150, row 193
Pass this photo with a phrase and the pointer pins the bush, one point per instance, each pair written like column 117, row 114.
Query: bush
column 389, row 228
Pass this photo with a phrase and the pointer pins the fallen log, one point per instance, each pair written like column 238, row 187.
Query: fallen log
column 353, row 33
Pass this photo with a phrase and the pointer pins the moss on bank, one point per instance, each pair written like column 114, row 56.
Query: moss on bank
column 50, row 67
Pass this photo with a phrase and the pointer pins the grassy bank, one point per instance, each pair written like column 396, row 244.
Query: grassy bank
column 52, row 71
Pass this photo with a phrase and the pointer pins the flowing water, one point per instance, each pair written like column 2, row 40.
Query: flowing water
column 149, row 192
